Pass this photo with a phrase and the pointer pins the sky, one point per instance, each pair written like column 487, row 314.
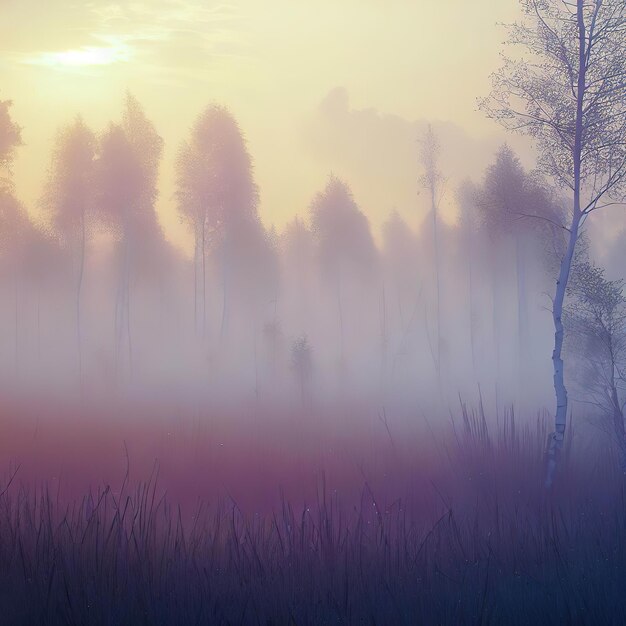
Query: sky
column 333, row 85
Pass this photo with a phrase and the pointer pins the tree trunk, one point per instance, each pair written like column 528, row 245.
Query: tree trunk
column 79, row 285
column 495, row 318
column 340, row 312
column 203, row 277
column 522, row 314
column 17, row 325
column 555, row 440
column 383, row 341
column 128, row 333
column 618, row 417
column 470, row 263
column 226, row 285
column 39, row 324
column 437, row 281
column 196, row 260
column 122, row 312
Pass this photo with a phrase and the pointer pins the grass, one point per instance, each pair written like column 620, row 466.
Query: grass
column 490, row 546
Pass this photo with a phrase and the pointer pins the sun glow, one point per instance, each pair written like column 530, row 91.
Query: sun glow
column 80, row 57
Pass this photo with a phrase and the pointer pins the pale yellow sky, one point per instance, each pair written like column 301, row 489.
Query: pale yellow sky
column 341, row 85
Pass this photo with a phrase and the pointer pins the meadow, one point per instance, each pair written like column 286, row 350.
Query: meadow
column 275, row 519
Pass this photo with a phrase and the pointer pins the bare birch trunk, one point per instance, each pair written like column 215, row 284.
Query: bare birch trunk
column 555, row 440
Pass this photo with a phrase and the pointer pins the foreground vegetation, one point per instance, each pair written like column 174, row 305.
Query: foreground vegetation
column 493, row 547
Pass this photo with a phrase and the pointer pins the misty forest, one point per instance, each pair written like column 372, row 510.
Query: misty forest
column 326, row 419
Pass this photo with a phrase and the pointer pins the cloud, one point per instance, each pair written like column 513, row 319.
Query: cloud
column 175, row 35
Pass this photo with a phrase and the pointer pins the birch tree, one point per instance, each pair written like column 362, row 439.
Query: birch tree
column 567, row 91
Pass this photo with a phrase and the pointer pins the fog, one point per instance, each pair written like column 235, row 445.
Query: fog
column 327, row 311
column 290, row 333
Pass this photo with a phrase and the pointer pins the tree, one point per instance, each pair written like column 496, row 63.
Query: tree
column 10, row 139
column 569, row 95
column 13, row 220
column 401, row 259
column 341, row 230
column 297, row 259
column 15, row 231
column 216, row 195
column 596, row 319
column 515, row 209
column 469, row 225
column 344, row 243
column 127, row 170
column 432, row 180
column 147, row 236
column 119, row 174
column 69, row 197
column 302, row 364
column 297, row 249
column 43, row 261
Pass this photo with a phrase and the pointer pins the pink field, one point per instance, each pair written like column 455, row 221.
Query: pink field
column 254, row 459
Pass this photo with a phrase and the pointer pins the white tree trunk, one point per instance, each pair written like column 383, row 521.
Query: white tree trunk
column 555, row 440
